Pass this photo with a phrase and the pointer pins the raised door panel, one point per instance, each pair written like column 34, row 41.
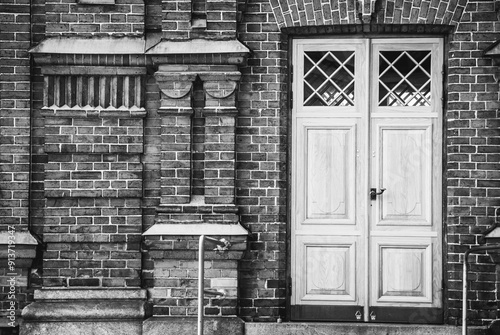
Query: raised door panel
column 326, row 270
column 403, row 272
column 403, row 158
column 326, row 180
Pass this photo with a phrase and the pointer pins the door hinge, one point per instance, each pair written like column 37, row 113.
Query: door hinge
column 289, row 288
column 291, row 73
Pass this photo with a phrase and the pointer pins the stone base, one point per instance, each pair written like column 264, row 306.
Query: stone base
column 85, row 311
column 82, row 328
column 309, row 328
column 189, row 325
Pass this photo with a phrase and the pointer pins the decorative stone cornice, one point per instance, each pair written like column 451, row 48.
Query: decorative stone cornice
column 100, row 45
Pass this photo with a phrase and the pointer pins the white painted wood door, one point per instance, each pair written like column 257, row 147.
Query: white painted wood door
column 366, row 114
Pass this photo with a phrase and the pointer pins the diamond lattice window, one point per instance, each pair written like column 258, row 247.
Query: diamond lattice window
column 405, row 78
column 329, row 78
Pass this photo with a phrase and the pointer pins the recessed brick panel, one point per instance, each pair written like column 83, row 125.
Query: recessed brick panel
column 93, row 135
column 93, row 175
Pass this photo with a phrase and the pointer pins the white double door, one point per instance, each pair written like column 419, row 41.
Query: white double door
column 366, row 213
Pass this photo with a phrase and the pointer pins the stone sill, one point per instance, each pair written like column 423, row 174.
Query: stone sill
column 92, row 112
column 196, row 229
column 96, row 2
column 198, row 46
column 58, row 70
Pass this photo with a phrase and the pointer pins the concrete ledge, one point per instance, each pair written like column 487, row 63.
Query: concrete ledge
column 86, row 294
column 81, row 328
column 198, row 46
column 188, row 325
column 194, row 229
column 85, row 311
column 287, row 328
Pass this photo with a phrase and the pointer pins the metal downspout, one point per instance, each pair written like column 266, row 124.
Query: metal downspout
column 222, row 246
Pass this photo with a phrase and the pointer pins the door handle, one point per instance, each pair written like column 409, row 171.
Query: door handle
column 374, row 193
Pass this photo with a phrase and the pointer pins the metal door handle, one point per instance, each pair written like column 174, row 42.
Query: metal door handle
column 374, row 193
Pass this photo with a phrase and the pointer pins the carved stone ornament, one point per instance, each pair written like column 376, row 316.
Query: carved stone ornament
column 176, row 89
column 219, row 89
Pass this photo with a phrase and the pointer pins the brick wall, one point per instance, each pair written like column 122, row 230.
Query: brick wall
column 15, row 112
column 15, row 149
column 171, row 276
column 92, row 219
column 125, row 17
column 261, row 186
column 87, row 180
column 473, row 156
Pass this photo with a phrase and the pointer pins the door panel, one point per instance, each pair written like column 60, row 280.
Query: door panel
column 402, row 271
column 328, row 164
column 402, row 155
column 329, row 274
column 366, row 114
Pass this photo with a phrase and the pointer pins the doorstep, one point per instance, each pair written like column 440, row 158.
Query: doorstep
column 310, row 328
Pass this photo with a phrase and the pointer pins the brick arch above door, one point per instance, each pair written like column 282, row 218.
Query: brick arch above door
column 297, row 13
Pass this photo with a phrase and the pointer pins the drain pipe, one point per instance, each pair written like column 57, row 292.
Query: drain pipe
column 465, row 282
column 222, row 245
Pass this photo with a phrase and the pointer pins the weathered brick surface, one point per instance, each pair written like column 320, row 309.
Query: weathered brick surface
column 93, row 175
column 177, row 22
column 261, row 167
column 14, row 112
column 125, row 17
column 473, row 155
column 171, row 276
column 14, row 150
column 92, row 242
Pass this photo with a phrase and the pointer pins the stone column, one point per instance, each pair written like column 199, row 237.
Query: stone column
column 176, row 111
column 220, row 125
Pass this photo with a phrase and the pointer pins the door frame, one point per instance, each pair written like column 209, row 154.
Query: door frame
column 442, row 33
